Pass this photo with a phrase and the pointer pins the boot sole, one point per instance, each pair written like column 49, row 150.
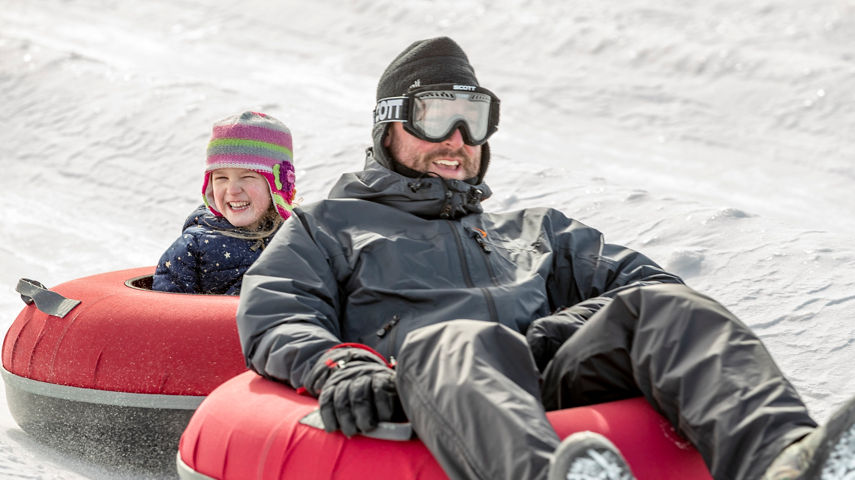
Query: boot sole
column 834, row 458
column 592, row 449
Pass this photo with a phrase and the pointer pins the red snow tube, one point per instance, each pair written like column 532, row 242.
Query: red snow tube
column 264, row 439
column 119, row 376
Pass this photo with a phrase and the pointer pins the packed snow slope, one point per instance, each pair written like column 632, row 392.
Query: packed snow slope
column 716, row 137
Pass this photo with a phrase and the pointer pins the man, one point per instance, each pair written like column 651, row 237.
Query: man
column 399, row 297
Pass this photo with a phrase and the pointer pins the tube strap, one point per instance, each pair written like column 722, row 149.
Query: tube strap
column 46, row 300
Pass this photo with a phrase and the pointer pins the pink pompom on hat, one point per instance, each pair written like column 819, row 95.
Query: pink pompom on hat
column 257, row 142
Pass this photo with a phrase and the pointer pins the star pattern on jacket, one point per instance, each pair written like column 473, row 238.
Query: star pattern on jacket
column 205, row 260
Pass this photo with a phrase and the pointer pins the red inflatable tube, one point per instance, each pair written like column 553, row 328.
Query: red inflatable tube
column 249, row 428
column 122, row 372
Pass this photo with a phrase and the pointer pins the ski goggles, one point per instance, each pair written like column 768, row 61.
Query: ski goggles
column 434, row 112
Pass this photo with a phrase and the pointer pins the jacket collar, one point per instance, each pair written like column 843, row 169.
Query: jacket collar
column 425, row 196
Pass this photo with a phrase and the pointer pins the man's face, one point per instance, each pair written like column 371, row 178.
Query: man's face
column 450, row 158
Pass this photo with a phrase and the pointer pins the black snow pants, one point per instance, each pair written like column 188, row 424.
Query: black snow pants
column 474, row 395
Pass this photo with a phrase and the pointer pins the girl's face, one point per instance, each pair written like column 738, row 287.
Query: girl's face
column 241, row 195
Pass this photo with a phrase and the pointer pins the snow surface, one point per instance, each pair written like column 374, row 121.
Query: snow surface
column 716, row 137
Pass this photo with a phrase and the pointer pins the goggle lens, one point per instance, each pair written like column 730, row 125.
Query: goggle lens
column 436, row 114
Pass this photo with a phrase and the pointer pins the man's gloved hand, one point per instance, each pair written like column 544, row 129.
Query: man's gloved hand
column 546, row 334
column 355, row 389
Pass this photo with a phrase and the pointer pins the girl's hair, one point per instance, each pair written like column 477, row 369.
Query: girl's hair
column 268, row 224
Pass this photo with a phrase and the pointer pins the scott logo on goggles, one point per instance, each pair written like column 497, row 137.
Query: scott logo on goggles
column 390, row 110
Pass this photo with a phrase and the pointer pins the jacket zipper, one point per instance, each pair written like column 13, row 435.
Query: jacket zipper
column 480, row 237
column 462, row 254
column 384, row 330
column 491, row 304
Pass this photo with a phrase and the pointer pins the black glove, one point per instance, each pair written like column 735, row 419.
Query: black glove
column 355, row 389
column 546, row 334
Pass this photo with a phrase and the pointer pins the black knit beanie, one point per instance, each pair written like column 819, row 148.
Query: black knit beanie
column 424, row 62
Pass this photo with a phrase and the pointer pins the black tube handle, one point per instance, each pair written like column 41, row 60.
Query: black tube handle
column 46, row 300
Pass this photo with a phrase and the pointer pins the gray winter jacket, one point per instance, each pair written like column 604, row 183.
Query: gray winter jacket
column 387, row 254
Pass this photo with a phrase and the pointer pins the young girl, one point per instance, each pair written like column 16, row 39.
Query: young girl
column 248, row 192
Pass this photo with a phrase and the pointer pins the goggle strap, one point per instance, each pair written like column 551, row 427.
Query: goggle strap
column 392, row 109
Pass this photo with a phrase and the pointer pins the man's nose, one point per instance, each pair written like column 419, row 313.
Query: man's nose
column 455, row 140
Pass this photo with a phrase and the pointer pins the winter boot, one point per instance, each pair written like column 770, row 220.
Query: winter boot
column 588, row 456
column 827, row 453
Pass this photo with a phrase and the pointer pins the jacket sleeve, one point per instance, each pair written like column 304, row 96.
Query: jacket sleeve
column 177, row 269
column 590, row 271
column 288, row 313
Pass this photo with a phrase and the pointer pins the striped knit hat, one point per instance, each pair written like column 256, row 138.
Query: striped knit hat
column 257, row 142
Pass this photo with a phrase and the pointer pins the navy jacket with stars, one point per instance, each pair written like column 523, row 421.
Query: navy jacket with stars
column 204, row 260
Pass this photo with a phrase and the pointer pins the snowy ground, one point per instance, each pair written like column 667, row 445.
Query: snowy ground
column 716, row 137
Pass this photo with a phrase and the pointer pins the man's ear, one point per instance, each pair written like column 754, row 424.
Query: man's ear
column 387, row 137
